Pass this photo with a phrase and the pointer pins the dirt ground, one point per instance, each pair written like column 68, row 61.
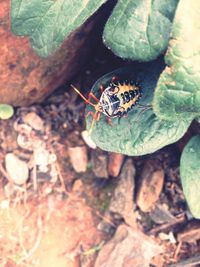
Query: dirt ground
column 69, row 205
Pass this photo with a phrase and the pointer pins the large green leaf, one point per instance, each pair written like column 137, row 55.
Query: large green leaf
column 49, row 22
column 190, row 175
column 177, row 95
column 141, row 132
column 140, row 29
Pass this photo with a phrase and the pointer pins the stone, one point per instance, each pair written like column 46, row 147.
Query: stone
column 41, row 158
column 34, row 121
column 122, row 200
column 78, row 158
column 161, row 214
column 17, row 169
column 129, row 247
column 150, row 185
column 115, row 161
column 99, row 160
column 26, row 78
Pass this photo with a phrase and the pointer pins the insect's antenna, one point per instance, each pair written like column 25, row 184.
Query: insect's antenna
column 78, row 92
column 93, row 122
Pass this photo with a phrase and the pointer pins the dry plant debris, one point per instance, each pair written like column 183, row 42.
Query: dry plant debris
column 128, row 247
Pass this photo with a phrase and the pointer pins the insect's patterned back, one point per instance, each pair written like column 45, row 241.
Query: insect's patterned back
column 119, row 98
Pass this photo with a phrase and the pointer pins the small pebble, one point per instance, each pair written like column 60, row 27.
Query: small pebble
column 99, row 160
column 115, row 161
column 5, row 204
column 24, row 142
column 151, row 184
column 78, row 157
column 166, row 237
column 122, row 199
column 78, row 186
column 34, row 121
column 41, row 157
column 16, row 169
column 161, row 214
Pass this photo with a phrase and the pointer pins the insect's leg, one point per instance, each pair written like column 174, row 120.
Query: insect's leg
column 87, row 100
column 96, row 117
column 139, row 115
column 125, row 115
column 114, row 81
column 145, row 107
column 91, row 95
column 109, row 121
column 120, row 112
column 114, row 78
column 101, row 88
column 90, row 113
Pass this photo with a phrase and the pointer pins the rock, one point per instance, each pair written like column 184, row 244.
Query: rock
column 161, row 214
column 8, row 136
column 78, row 157
column 25, row 77
column 24, row 142
column 122, row 200
column 78, row 187
column 151, row 184
column 167, row 237
column 106, row 224
column 128, row 248
column 115, row 161
column 41, row 158
column 16, row 169
column 99, row 162
column 34, row 121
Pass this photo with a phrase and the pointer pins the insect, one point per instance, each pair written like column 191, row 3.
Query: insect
column 116, row 100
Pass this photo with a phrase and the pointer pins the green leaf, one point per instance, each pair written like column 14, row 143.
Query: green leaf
column 49, row 22
column 140, row 29
column 177, row 95
column 141, row 132
column 6, row 111
column 190, row 174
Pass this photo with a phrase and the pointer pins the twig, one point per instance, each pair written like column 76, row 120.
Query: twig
column 178, row 248
column 193, row 261
column 165, row 226
column 38, row 239
column 20, row 225
column 107, row 220
column 61, row 178
column 4, row 172
column 34, row 178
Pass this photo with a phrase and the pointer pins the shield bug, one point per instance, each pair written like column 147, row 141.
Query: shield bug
column 116, row 100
